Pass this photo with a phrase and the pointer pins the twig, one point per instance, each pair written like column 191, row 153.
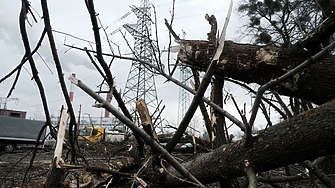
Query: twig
column 182, row 180
column 10, row 170
column 170, row 29
column 170, row 41
column 14, row 83
column 159, row 114
column 238, row 110
column 159, row 62
column 95, row 65
column 263, row 98
column 103, row 170
column 282, row 104
column 60, row 32
column 45, row 63
column 193, row 106
column 266, row 114
column 144, row 165
column 130, row 48
column 157, row 109
column 174, row 67
column 109, row 44
column 248, row 129
column 297, row 177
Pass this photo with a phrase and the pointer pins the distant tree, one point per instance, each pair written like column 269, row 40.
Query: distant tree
column 282, row 22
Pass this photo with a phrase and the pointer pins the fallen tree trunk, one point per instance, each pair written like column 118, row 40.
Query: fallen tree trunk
column 303, row 137
column 257, row 64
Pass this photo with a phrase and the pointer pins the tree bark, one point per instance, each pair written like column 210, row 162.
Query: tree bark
column 55, row 176
column 217, row 121
column 303, row 137
column 257, row 64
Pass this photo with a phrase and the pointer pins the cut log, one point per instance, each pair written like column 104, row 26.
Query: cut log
column 257, row 64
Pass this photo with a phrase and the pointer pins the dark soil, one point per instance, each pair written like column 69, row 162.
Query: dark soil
column 13, row 167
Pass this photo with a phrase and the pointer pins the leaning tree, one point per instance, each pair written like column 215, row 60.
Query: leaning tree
column 296, row 62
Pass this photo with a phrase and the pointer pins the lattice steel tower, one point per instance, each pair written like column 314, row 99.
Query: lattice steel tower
column 184, row 96
column 141, row 82
column 184, row 99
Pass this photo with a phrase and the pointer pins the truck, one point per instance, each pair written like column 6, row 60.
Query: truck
column 96, row 134
column 16, row 133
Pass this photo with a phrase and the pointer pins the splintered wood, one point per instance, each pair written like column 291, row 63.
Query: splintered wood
column 146, row 119
column 60, row 138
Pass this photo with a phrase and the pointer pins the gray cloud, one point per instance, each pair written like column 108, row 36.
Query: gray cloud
column 71, row 17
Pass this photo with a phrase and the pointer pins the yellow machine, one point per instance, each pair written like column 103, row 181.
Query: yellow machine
column 91, row 134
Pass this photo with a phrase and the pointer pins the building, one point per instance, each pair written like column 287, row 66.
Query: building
column 13, row 113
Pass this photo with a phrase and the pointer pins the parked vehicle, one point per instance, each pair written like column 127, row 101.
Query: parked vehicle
column 95, row 134
column 18, row 132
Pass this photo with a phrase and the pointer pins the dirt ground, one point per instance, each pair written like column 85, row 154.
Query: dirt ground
column 13, row 167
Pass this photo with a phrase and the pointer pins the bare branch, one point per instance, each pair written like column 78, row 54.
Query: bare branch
column 170, row 41
column 251, row 177
column 282, row 104
column 109, row 44
column 176, row 37
column 63, row 33
column 319, row 174
column 47, row 24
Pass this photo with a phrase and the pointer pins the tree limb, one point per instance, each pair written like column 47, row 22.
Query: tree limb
column 319, row 174
column 47, row 26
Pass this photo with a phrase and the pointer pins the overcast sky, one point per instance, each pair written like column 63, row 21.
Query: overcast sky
column 71, row 17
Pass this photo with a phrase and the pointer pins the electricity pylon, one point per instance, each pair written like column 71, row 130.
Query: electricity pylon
column 4, row 100
column 184, row 96
column 141, row 82
column 184, row 99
